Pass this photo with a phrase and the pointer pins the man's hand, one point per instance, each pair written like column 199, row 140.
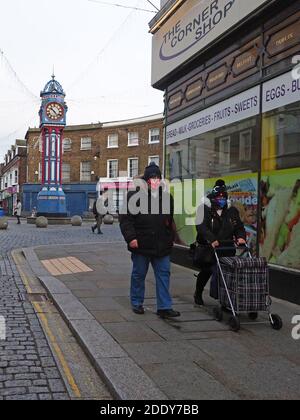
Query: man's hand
column 241, row 241
column 215, row 244
column 134, row 244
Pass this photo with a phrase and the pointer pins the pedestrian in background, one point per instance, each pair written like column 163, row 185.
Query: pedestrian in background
column 99, row 219
column 150, row 239
column 18, row 211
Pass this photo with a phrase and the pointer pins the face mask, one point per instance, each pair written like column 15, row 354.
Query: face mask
column 221, row 202
column 154, row 184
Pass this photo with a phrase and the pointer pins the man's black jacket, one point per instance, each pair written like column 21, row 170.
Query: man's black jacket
column 154, row 232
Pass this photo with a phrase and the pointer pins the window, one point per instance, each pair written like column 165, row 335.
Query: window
column 154, row 159
column 246, row 145
column 224, row 153
column 280, row 143
column 66, row 172
column 86, row 143
column 113, row 141
column 67, row 145
column 133, row 139
column 154, row 135
column 85, row 171
column 40, row 172
column 112, row 168
column 16, row 177
column 133, row 167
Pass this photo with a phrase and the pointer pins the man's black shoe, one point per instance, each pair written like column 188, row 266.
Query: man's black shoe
column 93, row 229
column 168, row 313
column 139, row 310
column 100, row 233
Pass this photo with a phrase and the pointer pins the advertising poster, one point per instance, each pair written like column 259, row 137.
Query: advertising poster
column 280, row 232
column 243, row 194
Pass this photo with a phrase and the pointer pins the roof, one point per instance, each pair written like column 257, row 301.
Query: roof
column 112, row 124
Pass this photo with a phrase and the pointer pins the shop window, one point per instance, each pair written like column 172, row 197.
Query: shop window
column 246, row 145
column 85, row 171
column 280, row 143
column 224, row 151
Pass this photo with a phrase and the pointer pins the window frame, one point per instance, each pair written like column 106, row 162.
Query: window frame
column 81, row 171
column 81, row 143
column 138, row 139
column 108, row 168
column 221, row 161
column 108, row 139
column 131, row 176
column 150, row 136
column 244, row 157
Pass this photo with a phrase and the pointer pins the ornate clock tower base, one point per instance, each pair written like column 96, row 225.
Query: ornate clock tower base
column 52, row 203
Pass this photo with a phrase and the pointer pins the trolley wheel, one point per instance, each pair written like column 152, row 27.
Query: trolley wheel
column 277, row 323
column 235, row 324
column 218, row 314
column 253, row 316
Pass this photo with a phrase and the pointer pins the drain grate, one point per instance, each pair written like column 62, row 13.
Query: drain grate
column 35, row 297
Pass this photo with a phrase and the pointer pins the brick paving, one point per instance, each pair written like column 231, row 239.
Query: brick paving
column 27, row 367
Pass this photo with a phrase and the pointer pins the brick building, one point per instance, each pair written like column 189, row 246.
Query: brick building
column 13, row 175
column 115, row 152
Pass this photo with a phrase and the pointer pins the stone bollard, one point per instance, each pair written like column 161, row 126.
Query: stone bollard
column 108, row 219
column 41, row 222
column 76, row 221
column 3, row 223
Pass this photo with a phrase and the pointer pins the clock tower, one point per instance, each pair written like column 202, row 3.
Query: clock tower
column 52, row 199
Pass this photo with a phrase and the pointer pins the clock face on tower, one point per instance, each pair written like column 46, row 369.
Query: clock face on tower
column 54, row 111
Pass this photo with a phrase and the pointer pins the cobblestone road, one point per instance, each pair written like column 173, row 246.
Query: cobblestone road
column 27, row 367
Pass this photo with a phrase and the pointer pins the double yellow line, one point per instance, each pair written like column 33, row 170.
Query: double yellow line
column 56, row 348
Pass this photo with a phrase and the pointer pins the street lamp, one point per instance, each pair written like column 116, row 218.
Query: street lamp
column 36, row 176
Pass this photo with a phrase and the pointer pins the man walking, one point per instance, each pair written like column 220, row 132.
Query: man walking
column 18, row 211
column 99, row 219
column 150, row 238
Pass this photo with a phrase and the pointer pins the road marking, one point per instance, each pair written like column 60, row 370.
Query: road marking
column 58, row 351
column 55, row 346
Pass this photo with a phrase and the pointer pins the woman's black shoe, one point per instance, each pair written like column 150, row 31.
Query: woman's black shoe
column 168, row 313
column 198, row 301
column 139, row 310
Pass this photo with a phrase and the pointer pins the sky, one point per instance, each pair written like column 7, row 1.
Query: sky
column 101, row 55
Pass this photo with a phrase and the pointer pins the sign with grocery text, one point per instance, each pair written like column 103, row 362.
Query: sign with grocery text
column 237, row 108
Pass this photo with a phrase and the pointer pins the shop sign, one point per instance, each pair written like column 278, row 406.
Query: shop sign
column 235, row 109
column 281, row 91
column 193, row 28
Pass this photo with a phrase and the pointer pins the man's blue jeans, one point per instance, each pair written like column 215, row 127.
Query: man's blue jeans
column 162, row 271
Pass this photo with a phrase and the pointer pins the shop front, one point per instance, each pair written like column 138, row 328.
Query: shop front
column 234, row 113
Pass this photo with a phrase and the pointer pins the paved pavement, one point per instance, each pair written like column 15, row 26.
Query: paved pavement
column 28, row 369
column 193, row 357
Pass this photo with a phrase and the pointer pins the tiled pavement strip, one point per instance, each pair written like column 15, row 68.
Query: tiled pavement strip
column 28, row 369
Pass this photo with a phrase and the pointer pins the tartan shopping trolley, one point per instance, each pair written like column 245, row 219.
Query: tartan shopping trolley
column 243, row 283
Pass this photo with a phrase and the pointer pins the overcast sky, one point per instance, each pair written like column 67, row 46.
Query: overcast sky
column 101, row 56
